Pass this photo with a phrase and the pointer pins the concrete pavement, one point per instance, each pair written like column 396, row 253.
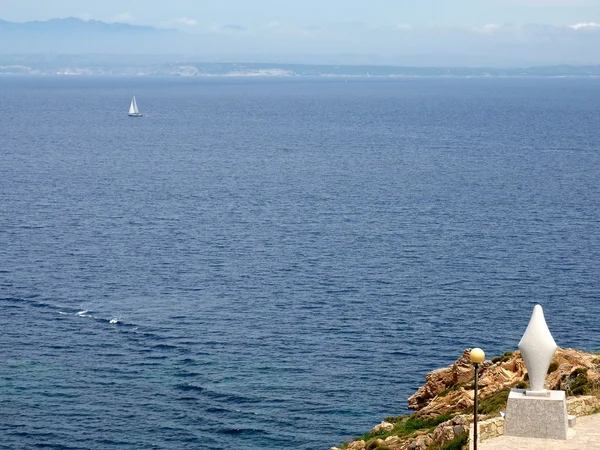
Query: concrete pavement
column 584, row 436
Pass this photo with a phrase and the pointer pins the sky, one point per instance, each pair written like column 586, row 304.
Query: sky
column 474, row 32
column 311, row 13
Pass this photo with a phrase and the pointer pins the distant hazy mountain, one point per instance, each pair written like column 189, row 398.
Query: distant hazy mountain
column 499, row 47
column 72, row 35
column 74, row 25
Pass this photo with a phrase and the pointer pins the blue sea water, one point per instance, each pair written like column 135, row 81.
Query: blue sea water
column 285, row 259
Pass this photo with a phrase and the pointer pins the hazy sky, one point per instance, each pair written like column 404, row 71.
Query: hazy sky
column 470, row 32
column 309, row 13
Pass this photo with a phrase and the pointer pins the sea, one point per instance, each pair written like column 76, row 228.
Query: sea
column 277, row 263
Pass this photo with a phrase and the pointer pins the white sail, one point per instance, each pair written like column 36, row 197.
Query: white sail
column 133, row 109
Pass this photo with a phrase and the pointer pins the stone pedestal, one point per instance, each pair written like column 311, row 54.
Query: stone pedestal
column 536, row 416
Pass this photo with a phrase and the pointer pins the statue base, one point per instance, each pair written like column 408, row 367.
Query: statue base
column 537, row 416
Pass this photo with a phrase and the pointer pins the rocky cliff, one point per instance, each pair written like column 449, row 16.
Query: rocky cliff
column 451, row 389
column 444, row 404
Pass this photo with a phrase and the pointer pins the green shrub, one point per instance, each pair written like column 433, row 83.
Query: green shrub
column 451, row 388
column 457, row 443
column 494, row 403
column 416, row 423
column 404, row 426
column 578, row 383
column 553, row 366
column 396, row 419
column 375, row 445
column 503, row 358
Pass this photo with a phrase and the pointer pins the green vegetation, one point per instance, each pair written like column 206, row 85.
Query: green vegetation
column 377, row 445
column 494, row 403
column 415, row 423
column 451, row 388
column 503, row 358
column 522, row 385
column 553, row 366
column 458, row 443
column 469, row 386
column 405, row 426
column 578, row 383
column 396, row 419
column 408, row 424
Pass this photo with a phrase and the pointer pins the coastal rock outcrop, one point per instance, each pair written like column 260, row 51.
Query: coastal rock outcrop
column 451, row 389
column 446, row 432
column 444, row 403
column 357, row 445
column 440, row 380
column 383, row 426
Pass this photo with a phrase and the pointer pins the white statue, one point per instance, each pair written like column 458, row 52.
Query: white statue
column 537, row 347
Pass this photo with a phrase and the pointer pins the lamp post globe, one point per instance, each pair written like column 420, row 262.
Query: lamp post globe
column 477, row 356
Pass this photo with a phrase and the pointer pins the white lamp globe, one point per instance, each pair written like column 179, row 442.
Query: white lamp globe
column 477, row 356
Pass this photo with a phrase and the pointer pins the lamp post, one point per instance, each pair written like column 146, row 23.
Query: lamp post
column 477, row 357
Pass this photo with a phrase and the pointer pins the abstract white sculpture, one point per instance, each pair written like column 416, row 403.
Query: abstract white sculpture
column 537, row 347
column 537, row 413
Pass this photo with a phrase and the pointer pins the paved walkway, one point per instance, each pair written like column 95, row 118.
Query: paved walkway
column 585, row 435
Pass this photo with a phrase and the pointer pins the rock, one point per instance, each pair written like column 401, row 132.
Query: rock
column 567, row 361
column 459, row 430
column 451, row 389
column 462, row 420
column 441, row 380
column 383, row 426
column 443, row 434
column 357, row 445
column 421, row 443
column 447, row 431
column 584, row 405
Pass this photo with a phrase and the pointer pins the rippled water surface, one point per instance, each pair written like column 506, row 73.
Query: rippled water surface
column 282, row 261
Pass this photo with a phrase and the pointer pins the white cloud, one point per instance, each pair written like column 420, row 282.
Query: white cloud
column 185, row 21
column 489, row 28
column 273, row 25
column 124, row 17
column 233, row 28
column 226, row 29
column 585, row 25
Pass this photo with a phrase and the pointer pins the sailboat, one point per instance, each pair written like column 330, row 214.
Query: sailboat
column 133, row 109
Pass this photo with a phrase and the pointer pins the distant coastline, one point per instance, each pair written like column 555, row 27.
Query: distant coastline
column 107, row 65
